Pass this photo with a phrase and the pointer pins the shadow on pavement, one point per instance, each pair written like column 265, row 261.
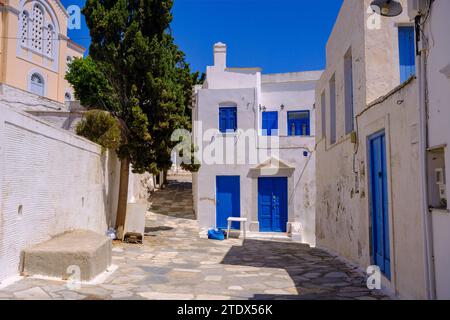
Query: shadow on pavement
column 316, row 274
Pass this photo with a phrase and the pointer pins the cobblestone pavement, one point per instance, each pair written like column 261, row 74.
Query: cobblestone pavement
column 174, row 263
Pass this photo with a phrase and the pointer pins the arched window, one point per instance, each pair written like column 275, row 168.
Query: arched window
column 24, row 17
column 67, row 97
column 37, row 28
column 37, row 84
column 49, row 40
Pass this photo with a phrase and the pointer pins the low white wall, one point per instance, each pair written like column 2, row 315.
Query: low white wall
column 52, row 181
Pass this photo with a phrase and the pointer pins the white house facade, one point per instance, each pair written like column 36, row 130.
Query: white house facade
column 255, row 136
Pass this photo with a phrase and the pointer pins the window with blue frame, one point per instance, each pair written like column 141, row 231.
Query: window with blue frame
column 406, row 45
column 270, row 123
column 227, row 119
column 298, row 123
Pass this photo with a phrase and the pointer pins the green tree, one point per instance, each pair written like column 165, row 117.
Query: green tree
column 137, row 73
column 100, row 127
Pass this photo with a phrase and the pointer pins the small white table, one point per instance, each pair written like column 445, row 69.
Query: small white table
column 235, row 219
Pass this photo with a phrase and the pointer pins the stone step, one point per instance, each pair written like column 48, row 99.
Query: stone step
column 59, row 256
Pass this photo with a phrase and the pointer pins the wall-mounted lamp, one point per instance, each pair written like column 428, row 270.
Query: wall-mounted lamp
column 282, row 107
column 387, row 8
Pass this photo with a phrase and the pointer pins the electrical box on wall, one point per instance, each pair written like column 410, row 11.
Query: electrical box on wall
column 416, row 7
column 443, row 192
column 440, row 176
column 440, row 181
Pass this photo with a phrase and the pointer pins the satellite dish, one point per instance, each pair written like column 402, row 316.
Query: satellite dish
column 387, row 8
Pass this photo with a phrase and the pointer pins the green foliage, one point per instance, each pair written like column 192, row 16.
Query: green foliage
column 137, row 73
column 100, row 127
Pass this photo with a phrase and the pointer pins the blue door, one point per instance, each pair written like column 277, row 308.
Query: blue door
column 379, row 203
column 270, row 123
column 406, row 44
column 272, row 204
column 228, row 200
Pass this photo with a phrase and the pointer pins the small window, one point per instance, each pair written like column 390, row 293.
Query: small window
column 348, row 83
column 323, row 111
column 406, row 45
column 270, row 123
column 333, row 110
column 227, row 119
column 37, row 84
column 298, row 123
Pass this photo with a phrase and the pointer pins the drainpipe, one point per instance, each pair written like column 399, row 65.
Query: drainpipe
column 423, row 146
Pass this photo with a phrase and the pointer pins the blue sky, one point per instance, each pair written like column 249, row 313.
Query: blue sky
column 279, row 36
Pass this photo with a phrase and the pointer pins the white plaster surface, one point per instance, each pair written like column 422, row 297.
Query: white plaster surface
column 247, row 89
column 52, row 181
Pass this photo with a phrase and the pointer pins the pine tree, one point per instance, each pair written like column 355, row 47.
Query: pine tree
column 136, row 72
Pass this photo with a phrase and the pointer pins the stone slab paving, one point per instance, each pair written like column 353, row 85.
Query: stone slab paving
column 174, row 263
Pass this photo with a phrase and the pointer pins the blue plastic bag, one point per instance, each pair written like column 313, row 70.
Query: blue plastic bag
column 216, row 234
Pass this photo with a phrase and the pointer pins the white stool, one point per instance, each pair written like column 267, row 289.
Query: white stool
column 235, row 219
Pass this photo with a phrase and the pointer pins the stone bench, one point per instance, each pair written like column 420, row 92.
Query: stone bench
column 88, row 250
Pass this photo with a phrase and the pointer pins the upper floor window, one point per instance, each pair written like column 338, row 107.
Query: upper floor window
column 37, row 28
column 37, row 32
column 37, row 84
column 333, row 132
column 270, row 123
column 227, row 119
column 406, row 45
column 298, row 123
column 348, row 87
column 323, row 116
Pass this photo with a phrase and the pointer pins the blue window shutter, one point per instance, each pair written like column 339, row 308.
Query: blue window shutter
column 233, row 119
column 222, row 120
column 406, row 45
column 269, row 123
column 227, row 119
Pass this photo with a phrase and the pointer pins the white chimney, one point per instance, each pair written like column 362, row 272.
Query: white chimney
column 220, row 55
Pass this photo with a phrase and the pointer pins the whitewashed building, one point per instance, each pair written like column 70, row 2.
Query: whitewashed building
column 371, row 206
column 433, row 73
column 256, row 138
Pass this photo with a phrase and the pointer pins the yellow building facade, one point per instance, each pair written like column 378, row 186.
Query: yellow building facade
column 35, row 49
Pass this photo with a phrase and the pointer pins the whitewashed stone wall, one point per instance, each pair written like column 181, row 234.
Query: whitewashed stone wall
column 52, row 181
column 343, row 195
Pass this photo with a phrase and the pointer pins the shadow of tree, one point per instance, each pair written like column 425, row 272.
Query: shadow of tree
column 316, row 274
column 175, row 200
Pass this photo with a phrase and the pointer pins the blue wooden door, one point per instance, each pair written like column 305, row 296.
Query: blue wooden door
column 228, row 200
column 270, row 123
column 272, row 204
column 379, row 203
column 406, row 43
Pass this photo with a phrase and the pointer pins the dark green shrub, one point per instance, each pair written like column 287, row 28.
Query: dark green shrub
column 100, row 127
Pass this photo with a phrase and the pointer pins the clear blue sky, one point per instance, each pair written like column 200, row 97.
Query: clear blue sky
column 277, row 35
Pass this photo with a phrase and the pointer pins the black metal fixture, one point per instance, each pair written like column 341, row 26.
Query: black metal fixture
column 387, row 8
column 282, row 107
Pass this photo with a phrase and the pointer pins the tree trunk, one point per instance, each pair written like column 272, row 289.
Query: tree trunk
column 123, row 196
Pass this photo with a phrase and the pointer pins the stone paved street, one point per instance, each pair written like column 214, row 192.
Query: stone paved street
column 174, row 263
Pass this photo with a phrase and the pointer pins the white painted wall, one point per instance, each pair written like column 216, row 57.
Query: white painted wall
column 52, row 181
column 343, row 205
column 436, row 31
column 248, row 90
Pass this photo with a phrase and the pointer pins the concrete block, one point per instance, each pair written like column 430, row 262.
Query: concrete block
column 89, row 251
